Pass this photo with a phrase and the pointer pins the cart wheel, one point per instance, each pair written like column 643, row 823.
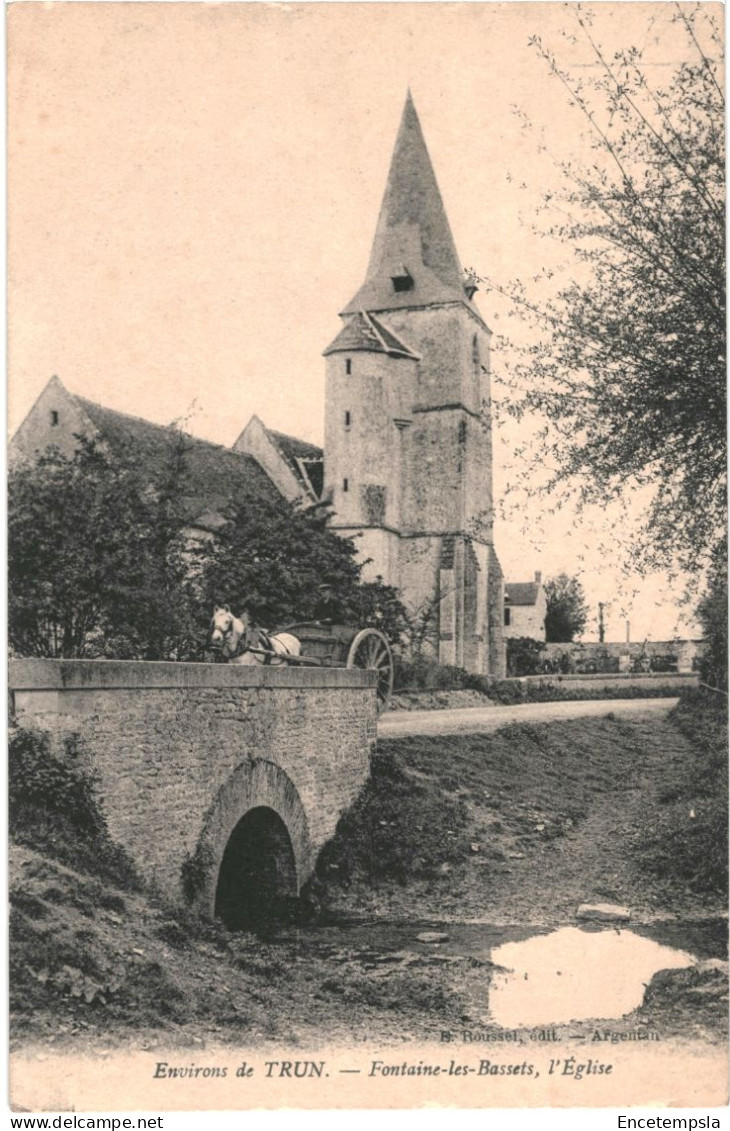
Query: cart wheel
column 371, row 651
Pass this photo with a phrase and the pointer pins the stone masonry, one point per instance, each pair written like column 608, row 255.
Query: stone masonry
column 182, row 751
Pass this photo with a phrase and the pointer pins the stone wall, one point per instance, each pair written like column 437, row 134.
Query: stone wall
column 181, row 751
column 365, row 394
column 688, row 653
column 452, row 367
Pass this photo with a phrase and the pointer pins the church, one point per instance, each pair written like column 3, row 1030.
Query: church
column 407, row 462
column 408, row 431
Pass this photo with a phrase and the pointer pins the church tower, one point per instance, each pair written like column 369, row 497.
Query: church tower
column 408, row 437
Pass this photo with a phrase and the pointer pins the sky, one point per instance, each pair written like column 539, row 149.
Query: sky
column 193, row 192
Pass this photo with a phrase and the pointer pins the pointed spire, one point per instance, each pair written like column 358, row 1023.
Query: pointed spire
column 413, row 261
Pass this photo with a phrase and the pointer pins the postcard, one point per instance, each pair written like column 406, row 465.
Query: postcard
column 367, row 556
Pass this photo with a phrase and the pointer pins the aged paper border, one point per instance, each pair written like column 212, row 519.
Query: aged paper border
column 661, row 1076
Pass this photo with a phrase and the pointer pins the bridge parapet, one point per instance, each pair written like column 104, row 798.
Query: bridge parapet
column 179, row 750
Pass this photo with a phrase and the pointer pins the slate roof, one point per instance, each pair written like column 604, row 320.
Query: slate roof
column 305, row 460
column 521, row 592
column 413, row 233
column 363, row 331
column 214, row 476
column 393, row 344
column 293, row 448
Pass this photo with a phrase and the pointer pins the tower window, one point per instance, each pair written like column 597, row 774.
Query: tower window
column 402, row 279
column 348, row 365
column 348, row 419
column 54, row 418
column 345, row 484
column 462, row 431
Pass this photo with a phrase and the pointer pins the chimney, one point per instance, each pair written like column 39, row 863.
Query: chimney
column 538, row 576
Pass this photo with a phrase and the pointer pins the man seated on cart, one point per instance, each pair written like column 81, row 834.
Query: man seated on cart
column 329, row 609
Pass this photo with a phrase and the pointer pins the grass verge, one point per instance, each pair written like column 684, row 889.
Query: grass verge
column 687, row 832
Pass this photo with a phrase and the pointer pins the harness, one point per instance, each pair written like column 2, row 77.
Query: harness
column 264, row 643
column 241, row 647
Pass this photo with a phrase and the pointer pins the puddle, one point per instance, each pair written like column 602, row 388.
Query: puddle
column 543, row 976
column 573, row 974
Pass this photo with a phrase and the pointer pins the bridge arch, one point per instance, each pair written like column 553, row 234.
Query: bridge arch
column 187, row 750
column 254, row 847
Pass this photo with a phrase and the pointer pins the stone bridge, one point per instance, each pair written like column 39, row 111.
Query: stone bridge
column 221, row 782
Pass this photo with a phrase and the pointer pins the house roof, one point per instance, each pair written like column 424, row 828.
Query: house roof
column 521, row 592
column 363, row 331
column 413, row 233
column 293, row 448
column 305, row 460
column 214, row 477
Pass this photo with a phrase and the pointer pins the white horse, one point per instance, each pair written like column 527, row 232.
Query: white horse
column 234, row 637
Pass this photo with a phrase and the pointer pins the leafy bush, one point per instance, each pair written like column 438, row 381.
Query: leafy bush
column 712, row 614
column 53, row 808
column 663, row 662
column 38, row 780
column 428, row 675
column 508, row 691
column 101, row 564
column 195, row 872
column 523, row 655
column 551, row 690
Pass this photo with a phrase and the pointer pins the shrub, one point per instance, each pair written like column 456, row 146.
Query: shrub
column 508, row 691
column 195, row 872
column 428, row 675
column 523, row 655
column 53, row 808
column 712, row 614
column 550, row 690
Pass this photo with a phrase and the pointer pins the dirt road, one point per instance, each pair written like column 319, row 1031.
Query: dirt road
column 479, row 719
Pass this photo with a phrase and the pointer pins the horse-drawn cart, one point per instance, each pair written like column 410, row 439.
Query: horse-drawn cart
column 342, row 646
column 314, row 643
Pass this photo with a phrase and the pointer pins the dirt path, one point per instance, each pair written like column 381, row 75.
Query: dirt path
column 470, row 720
column 554, row 816
column 593, row 861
